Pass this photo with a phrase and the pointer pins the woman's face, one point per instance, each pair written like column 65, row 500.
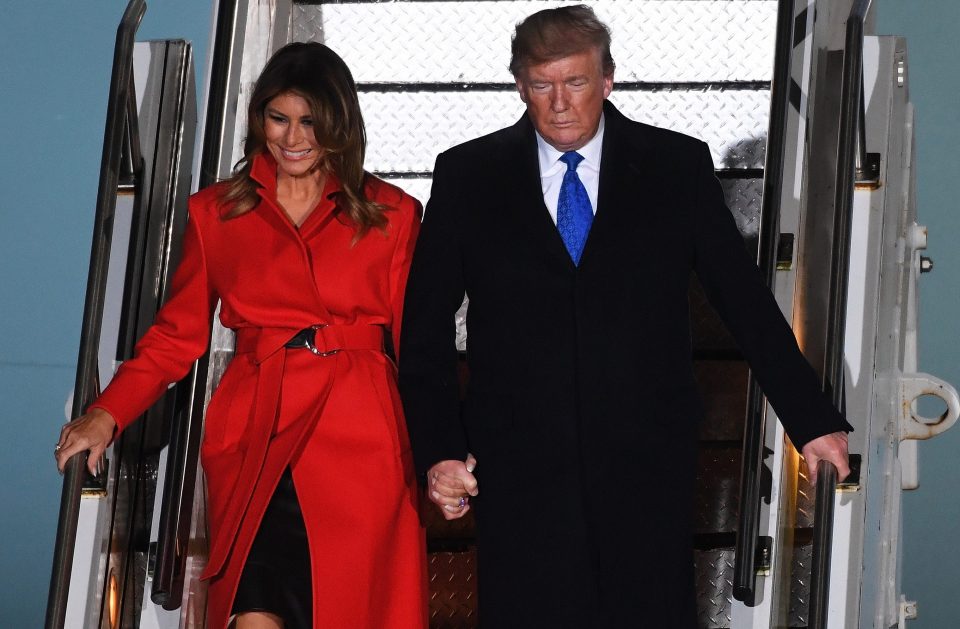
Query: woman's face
column 288, row 126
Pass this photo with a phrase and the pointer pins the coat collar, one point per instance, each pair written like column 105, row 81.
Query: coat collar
column 263, row 171
column 621, row 181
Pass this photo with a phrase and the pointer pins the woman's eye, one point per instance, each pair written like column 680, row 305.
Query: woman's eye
column 307, row 122
column 278, row 119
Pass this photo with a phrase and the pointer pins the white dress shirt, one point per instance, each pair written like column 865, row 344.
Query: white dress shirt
column 552, row 170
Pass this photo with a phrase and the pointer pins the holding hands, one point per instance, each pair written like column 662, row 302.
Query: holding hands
column 450, row 484
column 92, row 431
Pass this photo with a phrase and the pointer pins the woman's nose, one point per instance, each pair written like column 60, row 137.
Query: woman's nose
column 294, row 134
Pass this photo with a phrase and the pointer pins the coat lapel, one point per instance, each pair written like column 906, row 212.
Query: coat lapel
column 522, row 174
column 623, row 179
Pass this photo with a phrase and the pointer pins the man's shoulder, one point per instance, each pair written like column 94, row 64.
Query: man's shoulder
column 484, row 146
column 663, row 139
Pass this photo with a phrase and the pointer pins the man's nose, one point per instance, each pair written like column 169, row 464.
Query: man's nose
column 559, row 102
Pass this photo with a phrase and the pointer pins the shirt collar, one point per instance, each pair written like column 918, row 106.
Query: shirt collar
column 549, row 157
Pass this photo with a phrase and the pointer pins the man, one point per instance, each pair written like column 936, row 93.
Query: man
column 576, row 441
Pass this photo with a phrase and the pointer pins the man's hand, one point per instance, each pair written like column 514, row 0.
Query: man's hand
column 450, row 485
column 833, row 448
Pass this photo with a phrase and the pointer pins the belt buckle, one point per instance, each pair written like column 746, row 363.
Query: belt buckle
column 312, row 339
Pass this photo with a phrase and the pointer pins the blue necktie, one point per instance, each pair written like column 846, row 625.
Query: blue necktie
column 574, row 213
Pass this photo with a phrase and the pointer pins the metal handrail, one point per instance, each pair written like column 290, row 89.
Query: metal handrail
column 178, row 495
column 179, row 482
column 822, row 544
column 851, row 160
column 217, row 105
column 86, row 384
column 850, row 150
column 187, row 427
column 748, row 528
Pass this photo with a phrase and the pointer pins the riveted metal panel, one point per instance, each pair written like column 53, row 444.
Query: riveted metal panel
column 714, row 570
column 806, row 499
column 717, row 499
column 800, row 585
column 406, row 131
column 743, row 197
column 428, row 42
column 453, row 590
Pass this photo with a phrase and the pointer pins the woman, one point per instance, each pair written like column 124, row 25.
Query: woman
column 310, row 487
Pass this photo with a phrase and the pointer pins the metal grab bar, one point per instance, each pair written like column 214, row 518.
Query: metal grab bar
column 178, row 494
column 851, row 163
column 87, row 382
column 852, row 132
column 748, row 527
column 822, row 545
column 218, row 90
column 187, row 428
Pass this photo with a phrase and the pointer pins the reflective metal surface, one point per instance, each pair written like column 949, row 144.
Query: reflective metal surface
column 407, row 130
column 427, row 42
column 714, row 569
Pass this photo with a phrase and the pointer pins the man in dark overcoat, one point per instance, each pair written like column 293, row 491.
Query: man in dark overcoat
column 574, row 233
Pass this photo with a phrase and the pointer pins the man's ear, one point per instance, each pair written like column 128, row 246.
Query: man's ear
column 521, row 90
column 607, row 85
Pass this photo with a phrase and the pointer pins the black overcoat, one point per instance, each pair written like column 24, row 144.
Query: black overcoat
column 582, row 407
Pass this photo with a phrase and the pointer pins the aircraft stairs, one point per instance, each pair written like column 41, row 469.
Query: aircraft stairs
column 790, row 96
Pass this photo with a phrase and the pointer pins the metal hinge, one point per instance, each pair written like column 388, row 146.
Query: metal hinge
column 785, row 252
column 762, row 559
column 852, row 481
column 908, row 611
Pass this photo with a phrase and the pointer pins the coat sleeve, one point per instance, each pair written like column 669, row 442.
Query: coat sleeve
column 428, row 357
column 736, row 288
column 179, row 335
column 408, row 227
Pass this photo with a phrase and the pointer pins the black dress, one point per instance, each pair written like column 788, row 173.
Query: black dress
column 276, row 576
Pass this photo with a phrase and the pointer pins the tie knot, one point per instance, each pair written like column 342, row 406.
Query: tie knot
column 572, row 159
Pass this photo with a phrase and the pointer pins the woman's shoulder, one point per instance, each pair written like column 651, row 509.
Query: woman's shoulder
column 208, row 200
column 208, row 205
column 391, row 196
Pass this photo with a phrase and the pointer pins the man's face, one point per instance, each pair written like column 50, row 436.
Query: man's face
column 565, row 98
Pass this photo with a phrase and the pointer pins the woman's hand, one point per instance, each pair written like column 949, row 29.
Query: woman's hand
column 450, row 484
column 92, row 431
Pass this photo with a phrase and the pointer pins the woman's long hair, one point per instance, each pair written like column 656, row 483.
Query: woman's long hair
column 318, row 75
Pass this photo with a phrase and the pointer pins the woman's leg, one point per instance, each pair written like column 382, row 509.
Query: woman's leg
column 257, row 620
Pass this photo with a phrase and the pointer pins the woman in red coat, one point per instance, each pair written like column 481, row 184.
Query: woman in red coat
column 311, row 495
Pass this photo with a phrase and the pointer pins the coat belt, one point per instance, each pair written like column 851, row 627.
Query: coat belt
column 269, row 346
column 323, row 339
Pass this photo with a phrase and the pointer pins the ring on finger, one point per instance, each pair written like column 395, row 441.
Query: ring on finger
column 463, row 502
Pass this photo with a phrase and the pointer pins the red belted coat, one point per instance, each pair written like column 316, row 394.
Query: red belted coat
column 336, row 420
